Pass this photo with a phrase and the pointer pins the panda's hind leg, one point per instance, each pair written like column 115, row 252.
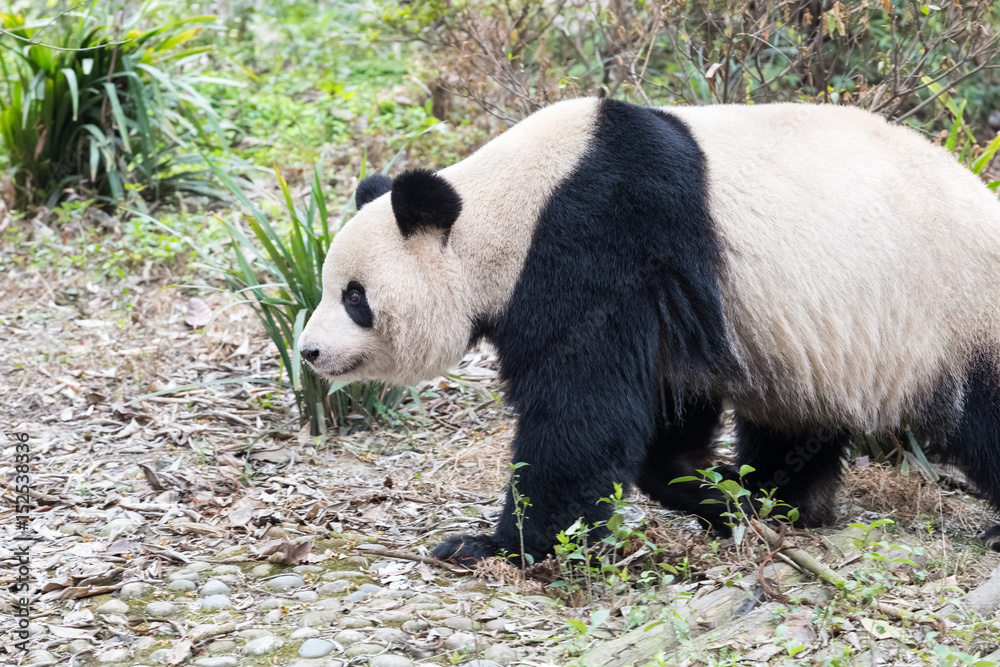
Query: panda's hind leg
column 804, row 468
column 975, row 443
column 682, row 445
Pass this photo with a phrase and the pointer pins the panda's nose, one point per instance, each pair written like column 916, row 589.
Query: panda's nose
column 310, row 354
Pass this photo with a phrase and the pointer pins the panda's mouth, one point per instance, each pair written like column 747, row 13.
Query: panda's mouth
column 350, row 368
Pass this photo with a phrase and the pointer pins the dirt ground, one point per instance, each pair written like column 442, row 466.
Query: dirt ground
column 203, row 527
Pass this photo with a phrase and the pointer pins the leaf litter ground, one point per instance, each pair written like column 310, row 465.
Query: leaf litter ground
column 203, row 527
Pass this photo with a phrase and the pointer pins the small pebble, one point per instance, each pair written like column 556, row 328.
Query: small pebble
column 415, row 626
column 217, row 661
column 39, row 658
column 394, row 616
column 338, row 586
column 496, row 624
column 306, row 596
column 114, row 655
column 363, row 649
column 285, row 582
column 263, row 570
column 302, row 569
column 354, row 623
column 460, row 623
column 213, row 587
column 182, row 585
column 500, row 654
column 460, row 641
column 160, row 609
column 540, row 601
column 112, row 607
column 481, row 663
column 263, row 645
column 389, row 660
column 135, row 589
column 370, row 589
column 356, row 597
column 273, row 617
column 315, row 648
column 389, row 635
column 347, row 637
column 198, row 566
column 271, row 602
column 316, row 619
column 304, row 632
column 160, row 655
column 222, row 646
column 226, row 569
column 344, row 574
column 254, row 633
column 183, row 574
column 215, row 602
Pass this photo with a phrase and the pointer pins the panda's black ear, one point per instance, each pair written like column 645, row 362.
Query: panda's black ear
column 371, row 188
column 423, row 200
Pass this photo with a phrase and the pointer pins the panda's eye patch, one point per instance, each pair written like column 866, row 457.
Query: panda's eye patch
column 356, row 304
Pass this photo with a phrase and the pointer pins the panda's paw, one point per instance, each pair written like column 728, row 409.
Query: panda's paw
column 466, row 550
column 991, row 538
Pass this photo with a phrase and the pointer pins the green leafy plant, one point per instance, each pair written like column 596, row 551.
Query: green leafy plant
column 95, row 102
column 284, row 278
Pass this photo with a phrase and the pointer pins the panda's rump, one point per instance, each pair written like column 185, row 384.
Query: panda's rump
column 856, row 280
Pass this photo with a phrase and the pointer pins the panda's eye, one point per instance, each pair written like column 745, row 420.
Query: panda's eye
column 354, row 297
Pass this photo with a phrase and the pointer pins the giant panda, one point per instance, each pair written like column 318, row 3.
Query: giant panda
column 826, row 273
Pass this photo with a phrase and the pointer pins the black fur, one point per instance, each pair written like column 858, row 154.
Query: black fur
column 360, row 312
column 620, row 286
column 371, row 188
column 423, row 200
column 974, row 444
column 482, row 327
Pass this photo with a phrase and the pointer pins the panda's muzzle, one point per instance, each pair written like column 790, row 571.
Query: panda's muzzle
column 311, row 355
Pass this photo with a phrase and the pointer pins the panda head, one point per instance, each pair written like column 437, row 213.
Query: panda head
column 392, row 307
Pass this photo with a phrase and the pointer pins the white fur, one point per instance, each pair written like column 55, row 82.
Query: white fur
column 863, row 262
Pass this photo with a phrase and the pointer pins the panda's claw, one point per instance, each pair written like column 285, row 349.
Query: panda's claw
column 466, row 550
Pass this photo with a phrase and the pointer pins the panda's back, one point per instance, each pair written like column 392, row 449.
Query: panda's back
column 862, row 263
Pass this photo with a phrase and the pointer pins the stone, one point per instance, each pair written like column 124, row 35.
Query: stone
column 315, row 648
column 481, row 663
column 370, row 589
column 183, row 574
column 270, row 603
column 226, row 569
column 315, row 619
column 273, row 617
column 218, row 661
column 77, row 645
column 423, row 598
column 263, row 645
column 415, row 626
column 254, row 633
column 263, row 570
column 354, row 622
column 460, row 623
column 348, row 637
column 500, row 654
column 303, row 569
column 160, row 609
column 215, row 602
column 160, row 655
column 389, row 635
column 355, row 597
column 113, row 655
column 182, row 585
column 213, row 587
column 330, row 603
column 38, row 658
column 112, row 607
column 338, row 586
column 394, row 616
column 304, row 632
column 460, row 641
column 73, row 528
column 389, row 660
column 496, row 624
column 285, row 582
column 198, row 566
column 221, row 646
column 344, row 574
column 135, row 589
column 363, row 649
column 306, row 596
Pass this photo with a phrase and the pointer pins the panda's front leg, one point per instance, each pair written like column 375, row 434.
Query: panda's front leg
column 568, row 467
